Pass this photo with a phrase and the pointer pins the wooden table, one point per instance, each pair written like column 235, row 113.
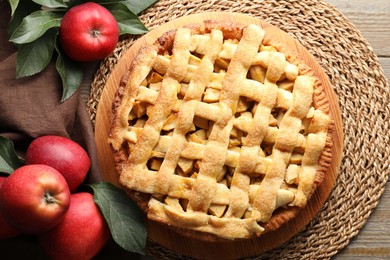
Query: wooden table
column 372, row 18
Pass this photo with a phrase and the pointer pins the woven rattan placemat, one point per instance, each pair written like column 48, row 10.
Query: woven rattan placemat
column 364, row 97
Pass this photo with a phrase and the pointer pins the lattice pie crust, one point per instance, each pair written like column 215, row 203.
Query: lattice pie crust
column 217, row 130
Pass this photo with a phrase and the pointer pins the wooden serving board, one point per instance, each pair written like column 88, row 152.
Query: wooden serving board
column 231, row 249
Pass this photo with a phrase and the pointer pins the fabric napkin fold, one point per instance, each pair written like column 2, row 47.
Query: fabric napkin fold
column 31, row 107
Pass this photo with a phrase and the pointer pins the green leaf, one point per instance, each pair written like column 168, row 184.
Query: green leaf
column 138, row 6
column 33, row 57
column 71, row 73
column 14, row 4
column 9, row 160
column 123, row 216
column 127, row 21
column 51, row 3
column 135, row 7
column 35, row 25
column 24, row 8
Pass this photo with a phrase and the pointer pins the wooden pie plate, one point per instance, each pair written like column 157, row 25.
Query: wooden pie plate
column 230, row 249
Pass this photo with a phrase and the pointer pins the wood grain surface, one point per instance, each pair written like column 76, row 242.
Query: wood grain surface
column 220, row 250
column 372, row 19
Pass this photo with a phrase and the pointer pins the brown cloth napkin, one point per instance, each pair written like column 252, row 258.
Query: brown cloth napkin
column 31, row 107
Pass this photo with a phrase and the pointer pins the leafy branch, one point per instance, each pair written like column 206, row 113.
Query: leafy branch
column 34, row 28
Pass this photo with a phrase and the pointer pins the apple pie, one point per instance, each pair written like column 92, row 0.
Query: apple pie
column 216, row 130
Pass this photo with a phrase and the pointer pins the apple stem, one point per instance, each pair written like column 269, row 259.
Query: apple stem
column 49, row 198
column 95, row 33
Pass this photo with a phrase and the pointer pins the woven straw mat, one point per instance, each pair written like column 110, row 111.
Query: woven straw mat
column 363, row 92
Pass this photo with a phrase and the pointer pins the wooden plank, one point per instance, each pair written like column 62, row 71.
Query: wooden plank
column 373, row 239
column 372, row 18
column 385, row 63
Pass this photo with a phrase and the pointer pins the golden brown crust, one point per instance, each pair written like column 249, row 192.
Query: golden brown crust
column 270, row 219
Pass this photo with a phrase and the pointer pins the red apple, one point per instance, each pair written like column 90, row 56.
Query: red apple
column 63, row 154
column 88, row 32
column 6, row 231
column 34, row 198
column 82, row 233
